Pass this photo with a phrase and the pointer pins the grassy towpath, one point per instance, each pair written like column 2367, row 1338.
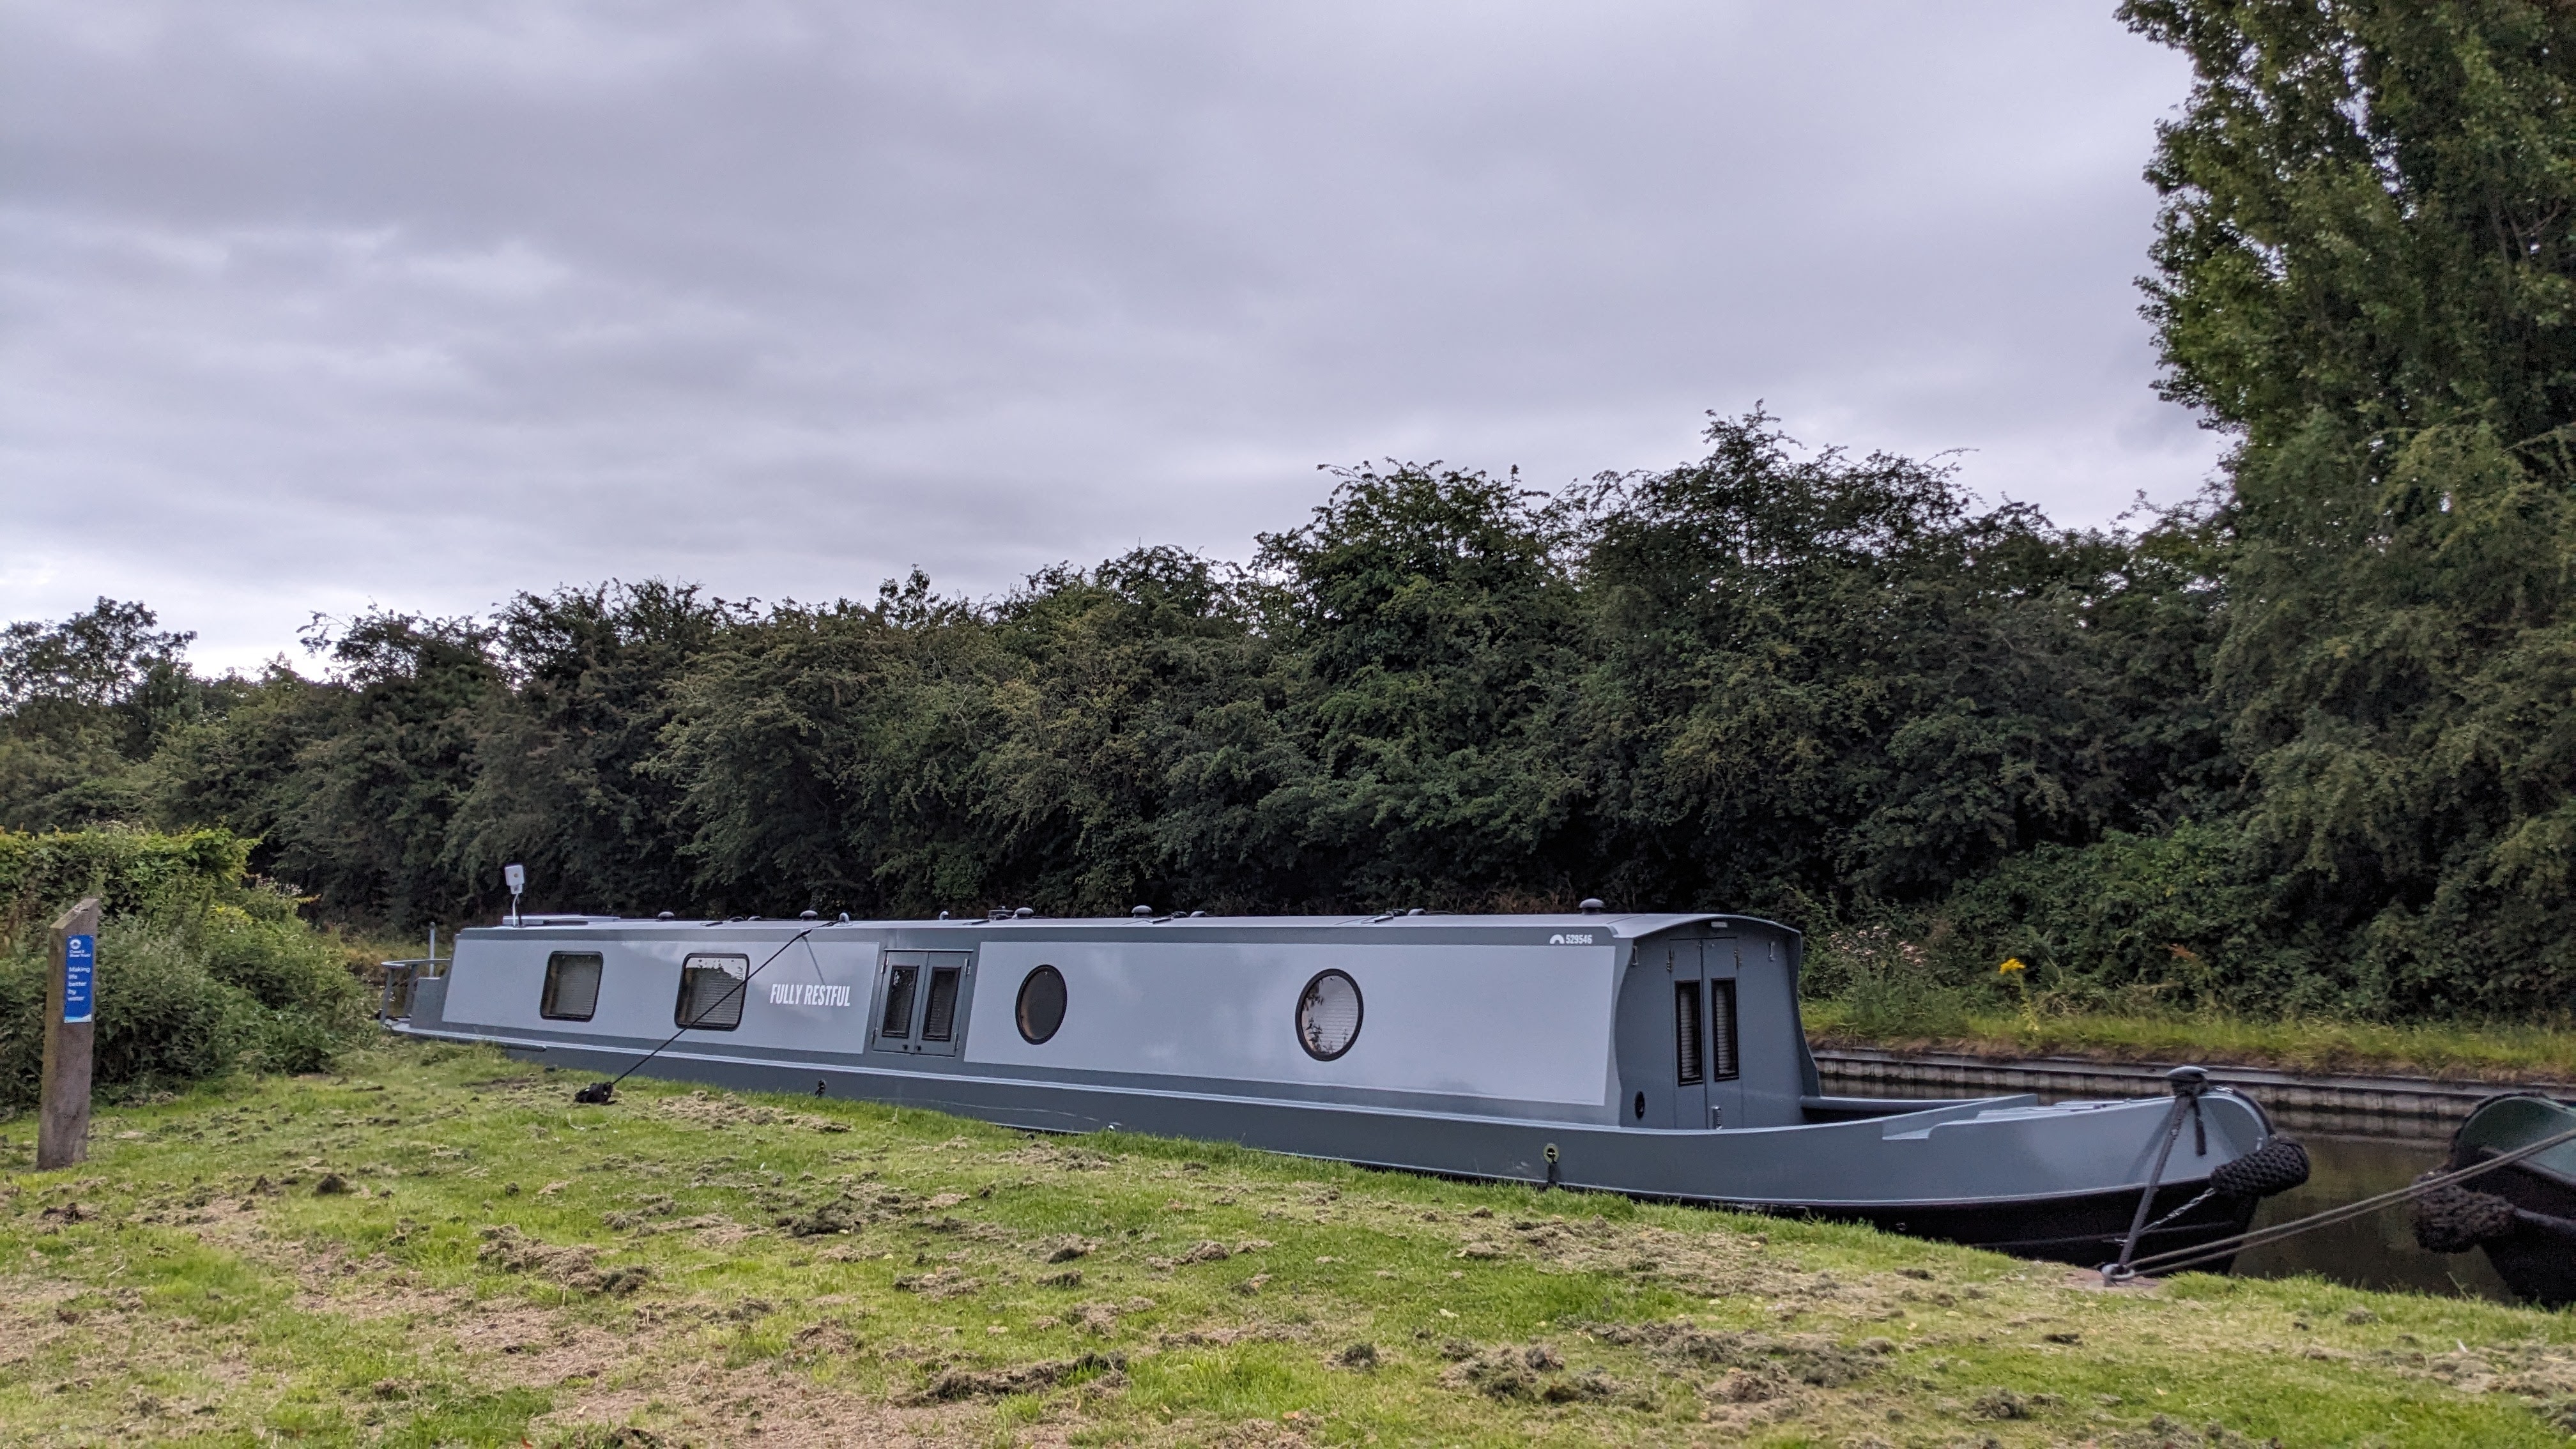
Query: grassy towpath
column 438, row 1247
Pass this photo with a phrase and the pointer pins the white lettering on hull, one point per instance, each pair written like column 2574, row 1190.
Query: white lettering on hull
column 807, row 993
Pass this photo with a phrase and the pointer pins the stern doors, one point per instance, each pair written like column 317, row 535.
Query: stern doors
column 920, row 1003
column 1701, row 1050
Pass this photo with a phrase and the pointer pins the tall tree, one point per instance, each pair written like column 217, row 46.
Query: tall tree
column 2366, row 272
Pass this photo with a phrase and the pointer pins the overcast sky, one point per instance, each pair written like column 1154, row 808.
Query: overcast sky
column 306, row 305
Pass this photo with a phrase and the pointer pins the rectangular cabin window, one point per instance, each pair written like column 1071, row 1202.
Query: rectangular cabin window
column 1686, row 1037
column 711, row 992
column 901, row 980
column 572, row 986
column 939, row 1017
column 1721, row 1028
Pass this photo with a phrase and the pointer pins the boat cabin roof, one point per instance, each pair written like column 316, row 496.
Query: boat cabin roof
column 1608, row 926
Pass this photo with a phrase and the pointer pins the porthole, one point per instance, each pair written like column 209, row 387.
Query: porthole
column 1041, row 1008
column 1328, row 1015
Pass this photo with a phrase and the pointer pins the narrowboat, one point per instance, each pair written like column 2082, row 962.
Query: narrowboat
column 2522, row 1214
column 1656, row 1055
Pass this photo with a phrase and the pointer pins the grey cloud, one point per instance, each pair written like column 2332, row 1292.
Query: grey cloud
column 309, row 305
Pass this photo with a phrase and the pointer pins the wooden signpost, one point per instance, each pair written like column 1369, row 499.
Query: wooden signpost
column 62, row 1119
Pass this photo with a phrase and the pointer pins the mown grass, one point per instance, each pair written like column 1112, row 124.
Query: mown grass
column 2492, row 1051
column 476, row 1283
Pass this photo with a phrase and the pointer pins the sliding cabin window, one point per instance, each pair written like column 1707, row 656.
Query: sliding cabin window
column 921, row 1001
column 572, row 986
column 711, row 992
column 1689, row 1057
column 1722, row 1063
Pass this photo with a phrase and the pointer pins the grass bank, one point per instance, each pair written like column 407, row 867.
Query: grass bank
column 2491, row 1052
column 437, row 1247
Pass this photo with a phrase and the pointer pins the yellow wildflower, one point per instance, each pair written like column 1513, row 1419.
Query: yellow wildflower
column 2011, row 966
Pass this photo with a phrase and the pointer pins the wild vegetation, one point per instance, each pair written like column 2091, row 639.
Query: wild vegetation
column 2300, row 746
column 440, row 1247
column 201, row 970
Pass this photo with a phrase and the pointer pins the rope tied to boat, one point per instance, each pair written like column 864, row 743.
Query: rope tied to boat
column 2189, row 1083
column 600, row 1094
column 2280, row 1164
column 2422, row 1187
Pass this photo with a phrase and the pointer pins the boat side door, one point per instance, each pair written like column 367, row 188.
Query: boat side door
column 919, row 1005
column 1721, row 1053
column 1686, row 1048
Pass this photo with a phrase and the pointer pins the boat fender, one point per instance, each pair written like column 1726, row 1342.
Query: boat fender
column 2456, row 1219
column 2275, row 1167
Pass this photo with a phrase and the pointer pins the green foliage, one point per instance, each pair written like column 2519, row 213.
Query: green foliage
column 82, row 702
column 200, row 970
column 128, row 870
column 1883, row 985
column 2368, row 274
column 1835, row 677
column 2367, row 214
column 556, row 776
column 2129, row 920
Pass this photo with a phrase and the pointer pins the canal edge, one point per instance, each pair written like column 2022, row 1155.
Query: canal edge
column 2397, row 1105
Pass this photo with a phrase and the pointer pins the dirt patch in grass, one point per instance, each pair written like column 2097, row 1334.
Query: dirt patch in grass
column 703, row 1404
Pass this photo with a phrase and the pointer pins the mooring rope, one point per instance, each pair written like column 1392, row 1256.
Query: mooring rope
column 601, row 1093
column 2188, row 1085
column 2177, row 1258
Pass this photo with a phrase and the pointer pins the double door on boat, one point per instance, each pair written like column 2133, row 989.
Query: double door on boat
column 1704, row 1058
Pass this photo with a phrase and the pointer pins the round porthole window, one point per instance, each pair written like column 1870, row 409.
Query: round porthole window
column 1328, row 1016
column 1041, row 1008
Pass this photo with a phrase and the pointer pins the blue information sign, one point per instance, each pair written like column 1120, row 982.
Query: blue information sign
column 80, row 965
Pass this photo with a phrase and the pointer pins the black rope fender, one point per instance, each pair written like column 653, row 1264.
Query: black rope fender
column 2450, row 1219
column 2280, row 1164
column 2425, row 1186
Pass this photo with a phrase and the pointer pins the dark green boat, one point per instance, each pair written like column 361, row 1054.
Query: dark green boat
column 2523, row 1214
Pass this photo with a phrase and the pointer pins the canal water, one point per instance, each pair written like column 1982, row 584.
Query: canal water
column 2374, row 1251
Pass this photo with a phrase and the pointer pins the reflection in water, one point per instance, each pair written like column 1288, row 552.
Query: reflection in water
column 2377, row 1251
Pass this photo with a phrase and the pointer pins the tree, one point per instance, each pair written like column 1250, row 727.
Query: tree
column 560, row 777
column 1839, row 678
column 2366, row 273
column 81, row 702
